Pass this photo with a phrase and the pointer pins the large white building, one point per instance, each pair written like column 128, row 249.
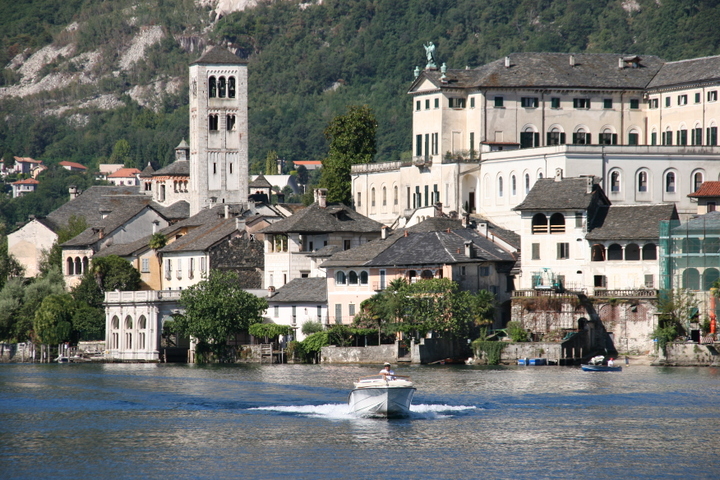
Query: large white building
column 482, row 137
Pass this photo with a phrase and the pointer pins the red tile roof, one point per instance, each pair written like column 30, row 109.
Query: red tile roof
column 27, row 181
column 65, row 163
column 124, row 173
column 707, row 189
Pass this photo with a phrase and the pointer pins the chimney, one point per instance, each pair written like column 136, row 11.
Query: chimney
column 73, row 190
column 507, row 62
column 589, row 185
column 468, row 249
column 438, row 209
column 558, row 174
column 621, row 63
column 227, row 211
column 322, row 197
column 407, row 233
column 155, row 226
column 482, row 228
column 383, row 232
column 572, row 60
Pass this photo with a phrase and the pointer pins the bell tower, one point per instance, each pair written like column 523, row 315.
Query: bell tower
column 218, row 130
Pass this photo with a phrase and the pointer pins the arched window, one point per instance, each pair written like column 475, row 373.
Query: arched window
column 426, row 274
column 500, row 187
column 78, row 266
column 231, row 87
column 396, row 200
column 70, row 266
column 710, row 276
column 633, row 137
column 363, row 278
column 597, row 253
column 557, row 223
column 412, row 276
column 513, row 185
column 670, row 182
column 632, row 252
column 340, row 278
column 372, row 197
column 222, row 87
column 384, row 196
column 615, row 181
column 352, row 278
column 527, row 183
column 615, row 252
column 212, row 87
column 649, row 251
column 642, row 181
column 85, row 262
column 115, row 326
column 691, row 279
column 539, row 224
column 697, row 181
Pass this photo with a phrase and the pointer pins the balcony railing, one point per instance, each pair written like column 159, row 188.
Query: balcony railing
column 627, row 293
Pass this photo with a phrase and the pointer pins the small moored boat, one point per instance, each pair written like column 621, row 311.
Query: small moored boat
column 377, row 397
column 600, row 368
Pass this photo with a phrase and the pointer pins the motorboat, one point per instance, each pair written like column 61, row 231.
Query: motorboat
column 601, row 368
column 376, row 396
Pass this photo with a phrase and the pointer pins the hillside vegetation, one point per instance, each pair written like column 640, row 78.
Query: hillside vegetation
column 80, row 75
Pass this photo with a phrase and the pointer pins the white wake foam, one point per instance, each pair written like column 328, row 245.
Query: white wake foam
column 342, row 411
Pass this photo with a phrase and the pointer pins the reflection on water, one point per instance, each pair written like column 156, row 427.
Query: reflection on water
column 178, row 421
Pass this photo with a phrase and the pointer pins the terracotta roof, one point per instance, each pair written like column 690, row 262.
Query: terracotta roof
column 26, row 160
column 27, row 181
column 707, row 189
column 124, row 173
column 219, row 56
column 66, row 163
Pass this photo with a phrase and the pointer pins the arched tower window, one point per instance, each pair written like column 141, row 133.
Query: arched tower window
column 222, row 87
column 231, row 87
column 212, row 87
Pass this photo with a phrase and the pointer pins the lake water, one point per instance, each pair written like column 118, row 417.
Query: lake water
column 273, row 421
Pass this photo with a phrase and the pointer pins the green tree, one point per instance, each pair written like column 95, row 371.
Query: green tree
column 115, row 273
column 52, row 323
column 52, row 283
column 11, row 300
column 216, row 309
column 157, row 241
column 88, row 320
column 675, row 309
column 352, row 141
column 271, row 163
column 121, row 153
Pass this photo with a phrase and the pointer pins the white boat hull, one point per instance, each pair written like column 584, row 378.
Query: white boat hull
column 381, row 401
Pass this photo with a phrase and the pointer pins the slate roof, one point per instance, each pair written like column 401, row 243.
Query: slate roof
column 710, row 223
column 202, row 238
column 333, row 218
column 566, row 194
column 178, row 167
column 301, row 290
column 147, row 171
column 687, row 72
column 707, row 189
column 260, row 182
column 552, row 70
column 177, row 211
column 421, row 248
column 219, row 56
column 631, row 222
column 86, row 205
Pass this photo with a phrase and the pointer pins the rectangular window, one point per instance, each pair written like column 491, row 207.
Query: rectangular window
column 338, row 313
column 682, row 137
column 276, row 311
column 529, row 102
column 418, row 145
column 581, row 138
column 633, row 138
column 484, row 271
column 472, row 102
column 145, row 265
column 351, row 310
column 600, row 281
column 359, row 199
column 697, row 97
column 472, row 141
column 667, row 101
column 608, row 139
column 563, row 251
column 294, row 314
column 711, row 207
column 427, row 104
column 427, row 195
column 319, row 313
column 437, row 103
column 457, row 102
column 203, row 267
column 581, row 103
column 529, row 139
column 213, row 122
column 554, row 102
column 556, row 138
column 346, row 244
column 536, row 251
column 417, row 105
column 230, row 122
column 696, row 136
column 607, row 103
column 653, row 138
column 712, row 136
column 634, row 104
column 682, row 99
column 653, row 103
column 712, row 96
column 649, row 281
column 578, row 219
column 499, row 102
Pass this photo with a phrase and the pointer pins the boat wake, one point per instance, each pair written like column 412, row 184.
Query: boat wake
column 341, row 411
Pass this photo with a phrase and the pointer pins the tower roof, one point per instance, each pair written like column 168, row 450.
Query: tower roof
column 219, row 56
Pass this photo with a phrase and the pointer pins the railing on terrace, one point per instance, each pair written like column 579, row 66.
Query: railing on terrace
column 628, row 293
column 546, row 293
column 142, row 296
column 379, row 167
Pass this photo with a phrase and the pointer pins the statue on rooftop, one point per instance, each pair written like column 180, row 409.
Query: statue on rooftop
column 430, row 54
